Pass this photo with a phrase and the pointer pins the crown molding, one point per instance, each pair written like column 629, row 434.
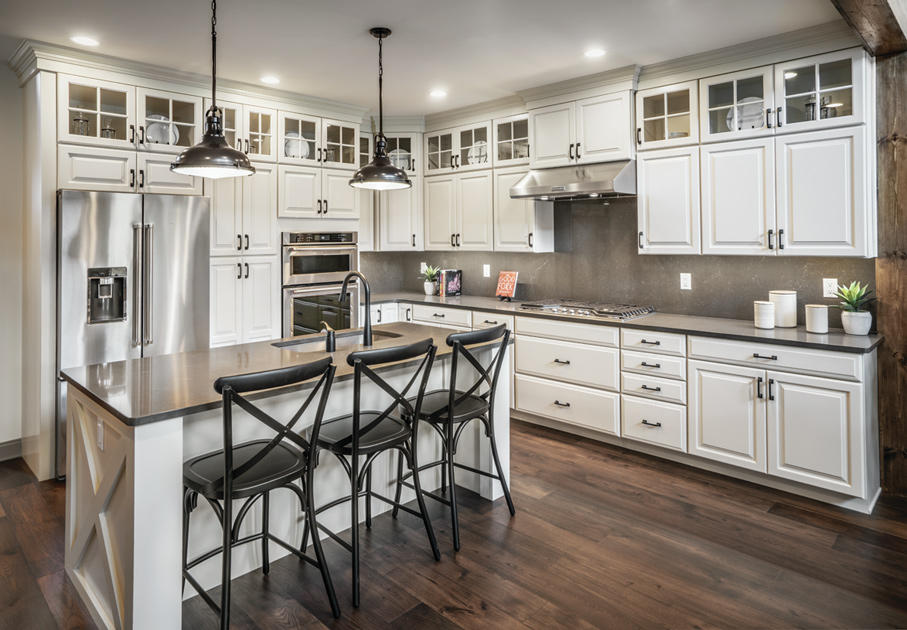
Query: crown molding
column 478, row 112
column 758, row 52
column 624, row 78
column 33, row 56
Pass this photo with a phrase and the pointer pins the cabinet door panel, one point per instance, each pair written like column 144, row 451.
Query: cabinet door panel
column 233, row 121
column 226, row 216
column 168, row 122
column 96, row 168
column 155, row 176
column 398, row 218
column 260, row 232
column 260, row 141
column 475, row 211
column 823, row 205
column 299, row 192
column 738, row 197
column 737, row 105
column 440, row 212
column 340, row 144
column 727, row 414
column 668, row 201
column 552, row 130
column 604, row 128
column 341, row 201
column 440, row 151
column 512, row 217
column 261, row 298
column 299, row 139
column 667, row 116
column 474, row 147
column 226, row 301
column 100, row 113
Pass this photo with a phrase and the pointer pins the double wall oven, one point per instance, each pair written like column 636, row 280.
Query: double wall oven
column 314, row 266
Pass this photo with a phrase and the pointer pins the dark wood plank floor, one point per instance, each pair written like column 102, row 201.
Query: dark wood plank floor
column 603, row 538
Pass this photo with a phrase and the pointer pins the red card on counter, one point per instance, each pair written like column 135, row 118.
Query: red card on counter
column 506, row 284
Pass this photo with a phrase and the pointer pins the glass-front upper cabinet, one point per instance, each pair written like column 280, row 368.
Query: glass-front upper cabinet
column 439, row 152
column 232, row 121
column 736, row 105
column 823, row 91
column 340, row 144
column 403, row 150
column 667, row 116
column 511, row 140
column 95, row 112
column 299, row 139
column 260, row 140
column 167, row 122
column 474, row 147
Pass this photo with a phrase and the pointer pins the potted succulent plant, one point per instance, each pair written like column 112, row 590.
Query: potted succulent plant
column 430, row 277
column 855, row 300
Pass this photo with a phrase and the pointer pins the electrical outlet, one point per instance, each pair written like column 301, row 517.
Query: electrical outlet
column 100, row 435
column 686, row 281
column 829, row 287
column 486, row 271
column 422, row 267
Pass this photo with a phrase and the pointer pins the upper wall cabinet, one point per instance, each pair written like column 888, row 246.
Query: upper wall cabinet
column 463, row 148
column 403, row 151
column 667, row 201
column 520, row 225
column 340, row 144
column 95, row 112
column 667, row 116
column 167, row 122
column 510, row 140
column 399, row 218
column 823, row 91
column 313, row 141
column 260, row 142
column 737, row 105
column 552, row 130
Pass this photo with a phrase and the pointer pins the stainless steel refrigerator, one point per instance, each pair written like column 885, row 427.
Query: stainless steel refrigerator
column 132, row 281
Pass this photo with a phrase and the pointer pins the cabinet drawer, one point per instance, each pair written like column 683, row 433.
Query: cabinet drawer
column 653, row 364
column 489, row 320
column 568, row 331
column 653, row 387
column 431, row 314
column 662, row 343
column 582, row 406
column 775, row 357
column 565, row 361
column 655, row 422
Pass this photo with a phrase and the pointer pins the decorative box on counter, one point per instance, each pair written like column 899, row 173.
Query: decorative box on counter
column 451, row 282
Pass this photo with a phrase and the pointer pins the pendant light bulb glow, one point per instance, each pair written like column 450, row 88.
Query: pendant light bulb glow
column 213, row 158
column 380, row 173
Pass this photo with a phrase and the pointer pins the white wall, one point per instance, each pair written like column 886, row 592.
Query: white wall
column 11, row 251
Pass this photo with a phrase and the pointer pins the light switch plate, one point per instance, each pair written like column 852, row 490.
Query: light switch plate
column 686, row 281
column 829, row 287
column 422, row 267
column 486, row 271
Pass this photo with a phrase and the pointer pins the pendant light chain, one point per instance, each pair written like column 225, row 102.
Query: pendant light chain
column 214, row 54
column 381, row 87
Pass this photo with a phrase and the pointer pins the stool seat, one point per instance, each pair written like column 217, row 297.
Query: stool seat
column 434, row 407
column 284, row 463
column 337, row 433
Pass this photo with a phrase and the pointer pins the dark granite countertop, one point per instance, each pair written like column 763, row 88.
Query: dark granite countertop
column 739, row 329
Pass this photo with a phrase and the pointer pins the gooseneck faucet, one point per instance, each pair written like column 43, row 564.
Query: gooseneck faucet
column 367, row 328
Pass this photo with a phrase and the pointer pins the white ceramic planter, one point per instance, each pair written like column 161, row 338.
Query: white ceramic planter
column 856, row 322
column 430, row 287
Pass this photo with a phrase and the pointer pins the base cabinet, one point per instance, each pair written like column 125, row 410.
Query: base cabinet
column 245, row 299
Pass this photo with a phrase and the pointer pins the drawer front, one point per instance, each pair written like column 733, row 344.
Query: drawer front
column 655, row 422
column 653, row 364
column 653, row 387
column 430, row 314
column 774, row 357
column 565, row 361
column 568, row 331
column 662, row 343
column 590, row 408
column 490, row 320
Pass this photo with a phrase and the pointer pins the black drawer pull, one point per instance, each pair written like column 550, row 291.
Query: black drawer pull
column 756, row 355
column 562, row 362
column 560, row 404
column 437, row 314
column 651, row 343
column 651, row 365
column 771, row 395
column 488, row 321
column 759, row 388
column 654, row 425
column 650, row 389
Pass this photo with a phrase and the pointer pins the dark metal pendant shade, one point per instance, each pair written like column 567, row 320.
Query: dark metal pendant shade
column 213, row 157
column 380, row 173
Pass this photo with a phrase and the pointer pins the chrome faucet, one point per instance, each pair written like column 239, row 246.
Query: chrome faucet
column 367, row 328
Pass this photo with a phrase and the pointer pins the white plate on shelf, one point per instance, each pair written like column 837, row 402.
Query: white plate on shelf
column 295, row 147
column 751, row 114
column 478, row 153
column 399, row 158
column 157, row 132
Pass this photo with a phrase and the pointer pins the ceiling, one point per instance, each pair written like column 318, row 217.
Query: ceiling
column 477, row 50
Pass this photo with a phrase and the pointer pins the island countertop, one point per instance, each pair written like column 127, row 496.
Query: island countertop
column 150, row 389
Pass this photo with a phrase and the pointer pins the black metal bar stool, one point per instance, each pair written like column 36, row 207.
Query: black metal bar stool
column 251, row 470
column 466, row 406
column 368, row 434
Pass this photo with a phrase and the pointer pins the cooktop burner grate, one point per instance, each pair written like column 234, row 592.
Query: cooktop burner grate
column 579, row 308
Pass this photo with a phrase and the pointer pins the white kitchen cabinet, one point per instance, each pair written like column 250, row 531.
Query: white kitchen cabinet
column 403, row 149
column 520, row 225
column 226, row 216
column 439, row 151
column 727, row 414
column 226, row 301
column 96, row 168
column 385, row 313
column 464, row 148
column 459, row 212
column 245, row 299
column 826, row 202
column 259, row 124
column 155, row 176
column 168, row 122
column 816, row 432
column 244, row 213
column 510, row 139
column 339, row 199
column 232, row 121
column 367, row 233
column 667, row 201
column 309, row 192
column 824, row 91
column 440, row 212
column 667, row 116
column 299, row 139
column 399, row 218
column 737, row 105
column 738, row 197
column 340, row 144
column 552, row 130
column 404, row 312
column 99, row 113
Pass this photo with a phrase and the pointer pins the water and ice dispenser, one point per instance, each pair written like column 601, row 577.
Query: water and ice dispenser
column 106, row 294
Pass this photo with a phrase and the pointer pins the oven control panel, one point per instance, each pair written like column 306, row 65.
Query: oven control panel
column 303, row 238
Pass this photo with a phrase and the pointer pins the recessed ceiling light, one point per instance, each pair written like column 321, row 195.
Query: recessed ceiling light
column 270, row 79
column 84, row 40
column 592, row 53
column 438, row 93
column 790, row 75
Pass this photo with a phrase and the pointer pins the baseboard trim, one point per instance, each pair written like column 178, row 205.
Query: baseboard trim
column 10, row 450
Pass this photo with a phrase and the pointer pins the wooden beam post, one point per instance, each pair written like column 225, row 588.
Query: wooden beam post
column 876, row 22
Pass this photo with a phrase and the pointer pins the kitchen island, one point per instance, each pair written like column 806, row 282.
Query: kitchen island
column 131, row 425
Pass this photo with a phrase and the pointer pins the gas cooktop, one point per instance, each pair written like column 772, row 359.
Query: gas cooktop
column 594, row 310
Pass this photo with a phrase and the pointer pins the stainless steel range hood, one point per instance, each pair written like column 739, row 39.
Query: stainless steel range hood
column 610, row 179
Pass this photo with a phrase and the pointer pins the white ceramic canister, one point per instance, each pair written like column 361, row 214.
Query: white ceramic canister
column 785, row 308
column 763, row 314
column 817, row 318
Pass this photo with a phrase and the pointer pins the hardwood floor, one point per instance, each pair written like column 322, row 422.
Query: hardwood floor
column 602, row 538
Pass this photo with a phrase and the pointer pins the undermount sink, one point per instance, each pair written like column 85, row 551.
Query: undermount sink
column 345, row 339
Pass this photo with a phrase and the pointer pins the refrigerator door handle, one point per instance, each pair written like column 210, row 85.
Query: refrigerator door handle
column 136, row 281
column 148, row 288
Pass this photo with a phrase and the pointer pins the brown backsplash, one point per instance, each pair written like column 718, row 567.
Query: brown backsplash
column 603, row 265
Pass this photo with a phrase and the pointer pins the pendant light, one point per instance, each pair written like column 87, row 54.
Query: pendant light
column 213, row 157
column 380, row 173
